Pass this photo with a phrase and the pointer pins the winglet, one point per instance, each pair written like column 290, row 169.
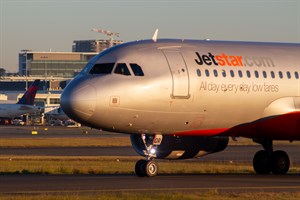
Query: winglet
column 29, row 95
column 154, row 38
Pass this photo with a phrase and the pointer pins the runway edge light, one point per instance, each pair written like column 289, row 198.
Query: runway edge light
column 34, row 132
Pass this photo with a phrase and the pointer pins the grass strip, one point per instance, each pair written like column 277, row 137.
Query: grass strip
column 65, row 142
column 114, row 165
column 87, row 141
column 209, row 195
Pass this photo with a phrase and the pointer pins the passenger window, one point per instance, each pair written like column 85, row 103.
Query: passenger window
column 137, row 70
column 296, row 75
column 216, row 73
column 280, row 74
column 231, row 73
column 272, row 74
column 264, row 74
column 207, row 72
column 256, row 74
column 288, row 75
column 198, row 72
column 240, row 74
column 102, row 68
column 224, row 73
column 122, row 69
column 248, row 73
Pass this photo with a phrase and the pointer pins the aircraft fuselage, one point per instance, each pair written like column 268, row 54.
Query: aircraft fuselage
column 187, row 87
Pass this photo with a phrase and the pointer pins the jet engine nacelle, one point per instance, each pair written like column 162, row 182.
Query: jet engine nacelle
column 180, row 147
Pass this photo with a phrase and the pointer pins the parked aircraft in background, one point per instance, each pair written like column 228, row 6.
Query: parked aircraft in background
column 181, row 99
column 56, row 117
column 56, row 113
column 23, row 106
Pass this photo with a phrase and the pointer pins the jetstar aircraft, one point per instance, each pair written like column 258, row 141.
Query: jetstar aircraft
column 181, row 99
column 23, row 106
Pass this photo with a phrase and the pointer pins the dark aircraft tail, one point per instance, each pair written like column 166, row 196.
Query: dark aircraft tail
column 29, row 95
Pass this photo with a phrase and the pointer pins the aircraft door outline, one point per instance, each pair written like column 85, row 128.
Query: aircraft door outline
column 179, row 72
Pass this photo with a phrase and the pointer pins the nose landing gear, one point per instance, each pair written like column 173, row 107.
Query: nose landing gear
column 148, row 167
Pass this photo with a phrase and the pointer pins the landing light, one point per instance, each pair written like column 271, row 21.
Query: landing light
column 152, row 151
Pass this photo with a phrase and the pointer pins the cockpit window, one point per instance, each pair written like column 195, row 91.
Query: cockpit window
column 122, row 69
column 102, row 68
column 137, row 70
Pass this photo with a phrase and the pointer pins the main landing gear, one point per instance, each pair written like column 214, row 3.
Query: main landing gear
column 148, row 167
column 267, row 160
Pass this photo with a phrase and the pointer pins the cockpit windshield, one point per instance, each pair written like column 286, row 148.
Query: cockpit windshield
column 116, row 68
column 122, row 69
column 102, row 68
column 137, row 70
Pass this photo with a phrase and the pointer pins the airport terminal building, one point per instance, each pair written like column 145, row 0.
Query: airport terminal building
column 93, row 45
column 53, row 64
column 62, row 64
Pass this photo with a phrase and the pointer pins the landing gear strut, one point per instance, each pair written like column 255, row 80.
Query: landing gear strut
column 267, row 160
column 148, row 167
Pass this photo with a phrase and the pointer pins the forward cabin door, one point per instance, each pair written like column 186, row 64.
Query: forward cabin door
column 179, row 71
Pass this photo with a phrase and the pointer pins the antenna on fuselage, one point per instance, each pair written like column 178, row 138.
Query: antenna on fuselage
column 154, row 38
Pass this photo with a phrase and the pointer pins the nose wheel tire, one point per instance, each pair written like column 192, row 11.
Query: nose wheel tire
column 151, row 168
column 140, row 168
column 146, row 168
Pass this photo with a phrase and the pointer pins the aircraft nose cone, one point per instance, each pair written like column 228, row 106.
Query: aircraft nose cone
column 79, row 102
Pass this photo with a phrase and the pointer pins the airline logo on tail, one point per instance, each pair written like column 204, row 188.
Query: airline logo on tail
column 28, row 97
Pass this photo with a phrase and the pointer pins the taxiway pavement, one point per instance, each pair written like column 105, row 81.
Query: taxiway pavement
column 36, row 184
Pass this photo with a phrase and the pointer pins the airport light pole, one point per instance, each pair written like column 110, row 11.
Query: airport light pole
column 45, row 72
column 25, row 51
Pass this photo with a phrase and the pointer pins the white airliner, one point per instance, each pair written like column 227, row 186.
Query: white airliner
column 56, row 113
column 181, row 99
column 23, row 106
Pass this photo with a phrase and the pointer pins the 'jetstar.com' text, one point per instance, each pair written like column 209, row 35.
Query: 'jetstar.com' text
column 233, row 60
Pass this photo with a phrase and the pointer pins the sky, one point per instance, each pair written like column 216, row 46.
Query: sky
column 41, row 25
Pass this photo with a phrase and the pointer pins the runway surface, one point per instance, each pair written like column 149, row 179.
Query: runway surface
column 54, row 132
column 36, row 184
